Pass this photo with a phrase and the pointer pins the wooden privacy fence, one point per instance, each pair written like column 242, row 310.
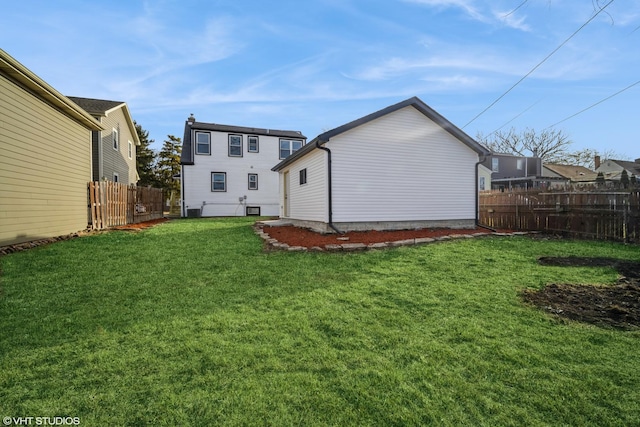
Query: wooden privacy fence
column 610, row 215
column 112, row 204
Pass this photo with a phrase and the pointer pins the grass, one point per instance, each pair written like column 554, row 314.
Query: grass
column 191, row 323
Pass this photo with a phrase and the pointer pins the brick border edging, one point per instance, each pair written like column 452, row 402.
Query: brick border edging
column 351, row 247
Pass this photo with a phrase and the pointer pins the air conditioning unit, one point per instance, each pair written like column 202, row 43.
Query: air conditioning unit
column 193, row 213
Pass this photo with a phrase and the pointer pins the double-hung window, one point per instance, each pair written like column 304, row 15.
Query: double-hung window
column 253, row 181
column 252, row 144
column 130, row 149
column 116, row 139
column 218, row 181
column 495, row 164
column 235, row 145
column 203, row 143
column 289, row 146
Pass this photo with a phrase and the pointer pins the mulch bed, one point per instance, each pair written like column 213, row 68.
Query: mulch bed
column 296, row 236
column 141, row 225
column 616, row 306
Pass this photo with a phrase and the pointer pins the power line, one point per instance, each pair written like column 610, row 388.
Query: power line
column 518, row 115
column 593, row 105
column 514, row 10
column 538, row 65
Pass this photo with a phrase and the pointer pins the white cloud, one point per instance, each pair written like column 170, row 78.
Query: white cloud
column 466, row 5
column 511, row 21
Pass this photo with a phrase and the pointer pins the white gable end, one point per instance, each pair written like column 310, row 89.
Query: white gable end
column 402, row 167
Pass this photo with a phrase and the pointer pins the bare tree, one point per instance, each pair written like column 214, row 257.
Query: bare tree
column 549, row 144
column 586, row 157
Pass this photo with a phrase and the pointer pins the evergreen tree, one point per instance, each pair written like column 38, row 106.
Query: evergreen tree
column 624, row 179
column 633, row 181
column 600, row 179
column 145, row 159
column 168, row 166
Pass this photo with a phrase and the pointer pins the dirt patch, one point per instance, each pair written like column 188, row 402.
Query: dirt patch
column 141, row 225
column 302, row 237
column 617, row 305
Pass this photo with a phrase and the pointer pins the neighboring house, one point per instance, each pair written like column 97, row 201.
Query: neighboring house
column 484, row 178
column 612, row 169
column 113, row 150
column 226, row 170
column 509, row 171
column 404, row 166
column 45, row 140
column 568, row 174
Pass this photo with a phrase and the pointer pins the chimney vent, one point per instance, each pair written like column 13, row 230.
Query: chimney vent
column 191, row 119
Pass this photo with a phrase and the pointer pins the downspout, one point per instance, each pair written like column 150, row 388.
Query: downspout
column 184, row 209
column 333, row 227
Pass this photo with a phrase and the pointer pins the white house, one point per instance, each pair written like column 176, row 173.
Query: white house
column 402, row 167
column 226, row 170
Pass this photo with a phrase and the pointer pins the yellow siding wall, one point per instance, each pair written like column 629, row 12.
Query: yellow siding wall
column 45, row 164
column 118, row 161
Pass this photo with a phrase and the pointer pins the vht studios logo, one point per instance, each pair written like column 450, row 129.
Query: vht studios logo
column 41, row 421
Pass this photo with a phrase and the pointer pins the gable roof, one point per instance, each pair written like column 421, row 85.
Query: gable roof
column 414, row 102
column 572, row 172
column 96, row 107
column 633, row 167
column 30, row 82
column 102, row 108
column 186, row 157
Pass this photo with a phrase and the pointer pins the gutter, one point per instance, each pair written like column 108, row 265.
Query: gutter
column 333, row 227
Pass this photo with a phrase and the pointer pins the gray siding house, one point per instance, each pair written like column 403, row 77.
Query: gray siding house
column 113, row 150
column 510, row 171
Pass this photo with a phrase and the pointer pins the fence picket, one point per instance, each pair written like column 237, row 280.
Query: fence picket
column 112, row 204
column 611, row 215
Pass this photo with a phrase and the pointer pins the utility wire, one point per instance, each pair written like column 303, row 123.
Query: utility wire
column 538, row 65
column 514, row 10
column 593, row 105
column 518, row 115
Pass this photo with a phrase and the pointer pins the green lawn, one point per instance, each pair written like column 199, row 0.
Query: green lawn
column 191, row 323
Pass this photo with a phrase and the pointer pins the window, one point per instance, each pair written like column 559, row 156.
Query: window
column 253, row 211
column 115, row 137
column 288, row 147
column 218, row 181
column 253, row 181
column 303, row 176
column 235, row 145
column 203, row 143
column 482, row 184
column 130, row 149
column 520, row 164
column 252, row 144
column 116, row 177
column 495, row 164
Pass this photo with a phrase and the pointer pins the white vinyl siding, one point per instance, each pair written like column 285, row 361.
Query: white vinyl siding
column 402, row 167
column 197, row 178
column 44, row 169
column 309, row 201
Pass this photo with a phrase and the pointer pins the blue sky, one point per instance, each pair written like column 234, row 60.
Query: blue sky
column 315, row 65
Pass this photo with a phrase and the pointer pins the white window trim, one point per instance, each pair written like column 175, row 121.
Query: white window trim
column 241, row 145
column 130, row 149
column 208, row 153
column 255, row 181
column 290, row 149
column 225, row 182
column 249, row 138
column 115, row 139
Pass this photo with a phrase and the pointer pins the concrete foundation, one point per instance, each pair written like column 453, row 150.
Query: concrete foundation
column 323, row 227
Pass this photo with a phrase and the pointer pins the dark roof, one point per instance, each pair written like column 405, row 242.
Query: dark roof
column 634, row 167
column 414, row 102
column 187, row 145
column 96, row 107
